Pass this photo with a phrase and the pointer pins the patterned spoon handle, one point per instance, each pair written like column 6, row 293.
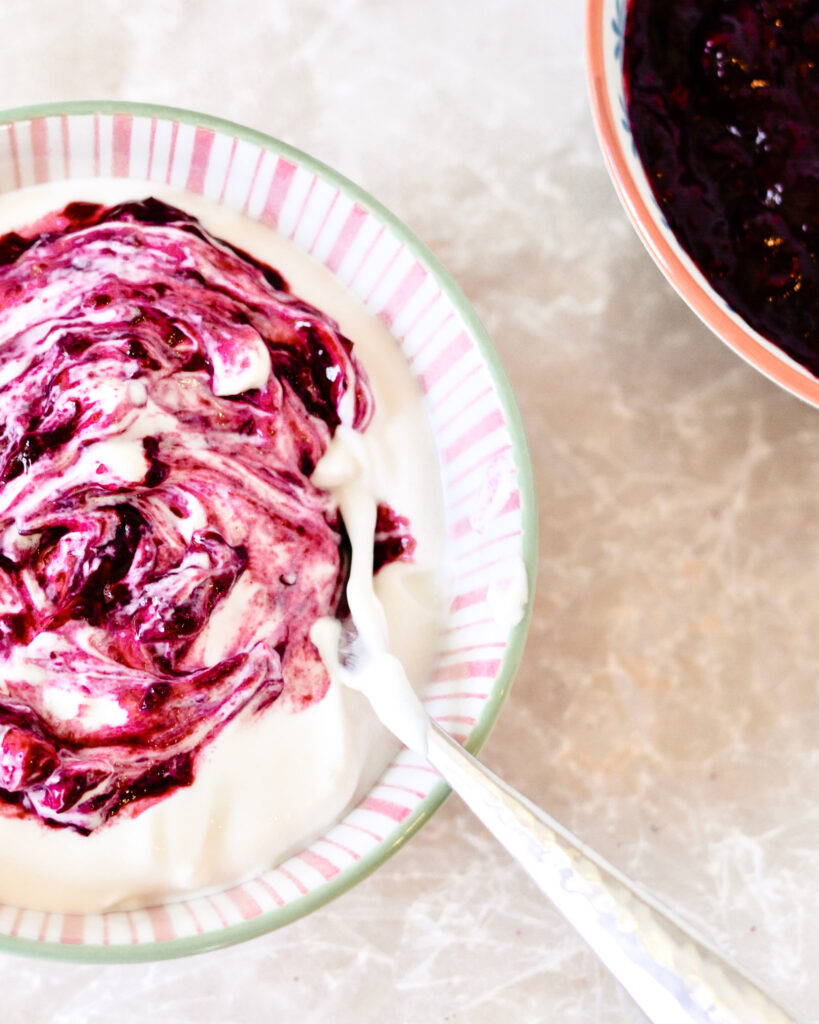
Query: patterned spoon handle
column 673, row 977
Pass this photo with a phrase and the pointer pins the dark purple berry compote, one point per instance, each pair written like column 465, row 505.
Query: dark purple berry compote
column 163, row 551
column 723, row 100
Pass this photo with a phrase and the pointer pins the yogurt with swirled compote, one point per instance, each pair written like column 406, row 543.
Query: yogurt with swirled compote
column 166, row 725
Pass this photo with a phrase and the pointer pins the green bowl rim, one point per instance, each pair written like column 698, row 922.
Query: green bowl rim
column 348, row 877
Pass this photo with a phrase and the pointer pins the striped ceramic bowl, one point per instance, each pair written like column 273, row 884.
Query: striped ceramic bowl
column 605, row 27
column 483, row 461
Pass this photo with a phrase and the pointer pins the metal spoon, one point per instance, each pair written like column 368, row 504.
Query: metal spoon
column 673, row 975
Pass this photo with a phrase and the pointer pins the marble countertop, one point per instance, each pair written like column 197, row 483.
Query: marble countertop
column 666, row 709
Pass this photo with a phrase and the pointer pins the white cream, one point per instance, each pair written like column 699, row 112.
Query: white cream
column 266, row 785
column 239, row 368
column 369, row 666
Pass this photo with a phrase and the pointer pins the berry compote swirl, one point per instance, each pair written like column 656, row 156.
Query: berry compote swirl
column 163, row 552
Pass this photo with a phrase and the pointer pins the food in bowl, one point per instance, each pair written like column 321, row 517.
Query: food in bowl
column 722, row 103
column 432, row 368
column 166, row 725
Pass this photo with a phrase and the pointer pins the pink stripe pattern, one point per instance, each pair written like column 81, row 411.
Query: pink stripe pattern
column 445, row 360
column 160, row 923
column 245, row 903
column 15, row 155
column 279, row 187
column 39, row 147
column 479, row 480
column 325, row 867
column 412, row 281
column 66, row 147
column 73, row 929
column 123, row 124
column 346, row 237
column 96, row 145
column 386, row 808
column 202, row 145
column 174, row 136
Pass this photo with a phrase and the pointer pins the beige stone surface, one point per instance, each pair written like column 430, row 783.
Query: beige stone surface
column 666, row 709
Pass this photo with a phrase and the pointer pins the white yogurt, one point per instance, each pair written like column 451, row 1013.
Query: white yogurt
column 267, row 785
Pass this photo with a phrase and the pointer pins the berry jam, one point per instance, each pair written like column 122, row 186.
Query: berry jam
column 723, row 100
column 163, row 551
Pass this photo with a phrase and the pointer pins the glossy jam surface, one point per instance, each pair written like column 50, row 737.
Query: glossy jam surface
column 723, row 100
column 163, row 552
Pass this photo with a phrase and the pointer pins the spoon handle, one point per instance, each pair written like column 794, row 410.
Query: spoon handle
column 673, row 977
